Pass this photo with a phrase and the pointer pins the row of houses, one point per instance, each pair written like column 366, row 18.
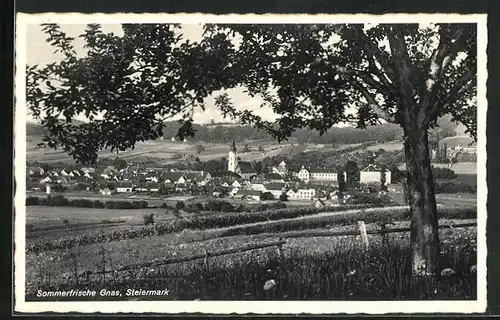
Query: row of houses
column 369, row 174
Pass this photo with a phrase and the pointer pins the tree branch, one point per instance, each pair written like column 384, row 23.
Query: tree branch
column 373, row 51
column 380, row 112
column 464, row 84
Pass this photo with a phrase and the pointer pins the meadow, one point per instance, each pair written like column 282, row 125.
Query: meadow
column 163, row 152
column 307, row 268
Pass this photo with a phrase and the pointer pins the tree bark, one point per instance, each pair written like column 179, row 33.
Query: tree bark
column 422, row 200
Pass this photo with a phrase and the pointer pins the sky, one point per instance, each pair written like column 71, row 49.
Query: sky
column 41, row 53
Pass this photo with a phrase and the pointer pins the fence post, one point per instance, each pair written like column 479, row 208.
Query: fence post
column 206, row 259
column 383, row 229
column 280, row 249
column 364, row 235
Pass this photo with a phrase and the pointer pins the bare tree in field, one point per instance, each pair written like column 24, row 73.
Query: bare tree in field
column 309, row 75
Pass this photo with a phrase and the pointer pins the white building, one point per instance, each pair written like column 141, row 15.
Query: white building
column 106, row 192
column 320, row 175
column 303, row 174
column 323, row 176
column 124, row 187
column 281, row 169
column 372, row 174
column 258, row 186
column 301, row 194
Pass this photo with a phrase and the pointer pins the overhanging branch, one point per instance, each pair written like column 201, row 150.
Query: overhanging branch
column 372, row 103
column 463, row 85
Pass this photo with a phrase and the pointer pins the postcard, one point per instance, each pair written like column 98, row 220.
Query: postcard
column 250, row 164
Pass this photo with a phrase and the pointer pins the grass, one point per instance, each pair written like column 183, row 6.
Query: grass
column 45, row 215
column 231, row 224
column 460, row 167
column 387, row 146
column 159, row 152
column 186, row 243
column 310, row 268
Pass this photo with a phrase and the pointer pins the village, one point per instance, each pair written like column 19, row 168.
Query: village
column 240, row 181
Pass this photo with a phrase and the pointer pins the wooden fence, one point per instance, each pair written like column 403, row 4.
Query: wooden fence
column 279, row 244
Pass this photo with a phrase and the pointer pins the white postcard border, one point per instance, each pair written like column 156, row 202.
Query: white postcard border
column 242, row 307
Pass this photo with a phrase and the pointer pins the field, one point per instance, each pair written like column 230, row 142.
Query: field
column 306, row 268
column 388, row 146
column 166, row 152
column 42, row 215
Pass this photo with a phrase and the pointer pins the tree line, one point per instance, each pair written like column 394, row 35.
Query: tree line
column 335, row 135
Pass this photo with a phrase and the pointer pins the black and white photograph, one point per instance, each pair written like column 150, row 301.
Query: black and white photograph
column 250, row 164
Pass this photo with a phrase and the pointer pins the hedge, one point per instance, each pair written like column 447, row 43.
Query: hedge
column 450, row 187
column 232, row 220
column 177, row 225
column 61, row 201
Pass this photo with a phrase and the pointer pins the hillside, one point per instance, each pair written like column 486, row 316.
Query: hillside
column 216, row 138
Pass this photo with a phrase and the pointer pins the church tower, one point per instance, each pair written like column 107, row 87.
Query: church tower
column 231, row 160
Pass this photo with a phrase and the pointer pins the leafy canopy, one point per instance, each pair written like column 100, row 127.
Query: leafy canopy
column 310, row 75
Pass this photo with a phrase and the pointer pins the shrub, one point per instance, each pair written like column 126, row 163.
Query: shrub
column 32, row 201
column 279, row 205
column 283, row 197
column 148, row 219
column 443, row 173
column 164, row 205
column 266, row 196
column 98, row 204
column 180, row 205
column 467, row 157
column 58, row 200
column 219, row 205
column 371, row 199
column 194, row 207
column 450, row 187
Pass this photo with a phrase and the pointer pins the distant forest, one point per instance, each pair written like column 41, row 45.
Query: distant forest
column 214, row 133
column 336, row 135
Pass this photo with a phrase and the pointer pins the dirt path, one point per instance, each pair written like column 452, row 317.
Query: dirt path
column 314, row 216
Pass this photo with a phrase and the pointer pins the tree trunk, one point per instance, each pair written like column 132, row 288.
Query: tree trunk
column 422, row 200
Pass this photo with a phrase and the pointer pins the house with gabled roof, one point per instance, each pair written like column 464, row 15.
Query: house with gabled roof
column 174, row 177
column 372, row 174
column 276, row 189
column 281, row 169
column 36, row 171
column 238, row 183
column 273, row 177
column 259, row 185
column 153, row 187
column 44, row 180
column 318, row 174
column 106, row 191
column 122, row 187
column 219, row 175
column 301, row 194
column 248, row 195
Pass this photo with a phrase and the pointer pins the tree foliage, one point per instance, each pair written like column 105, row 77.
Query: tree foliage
column 311, row 76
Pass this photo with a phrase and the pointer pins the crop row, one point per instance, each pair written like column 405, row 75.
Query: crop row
column 236, row 219
column 192, row 222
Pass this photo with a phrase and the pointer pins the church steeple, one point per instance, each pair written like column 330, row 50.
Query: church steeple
column 231, row 160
